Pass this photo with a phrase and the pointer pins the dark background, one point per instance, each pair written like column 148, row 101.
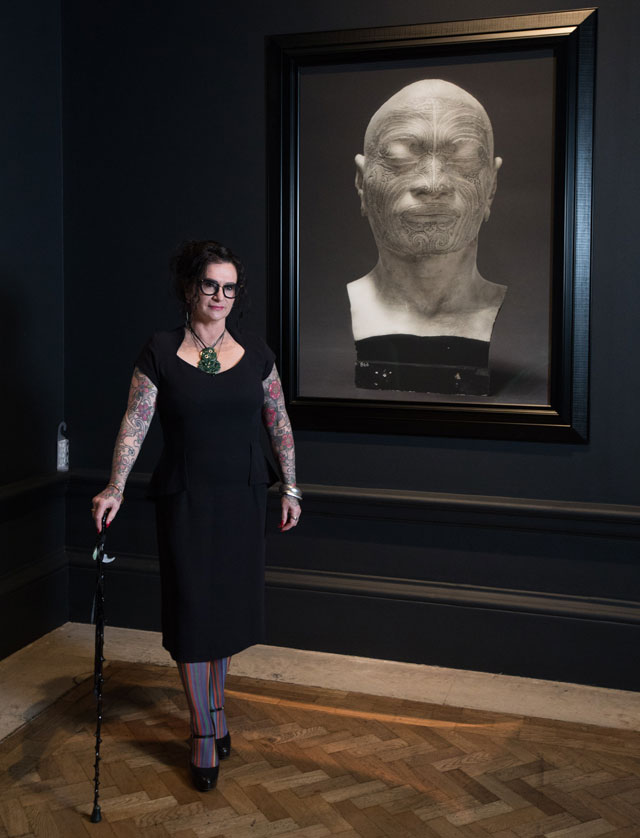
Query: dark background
column 337, row 247
column 504, row 556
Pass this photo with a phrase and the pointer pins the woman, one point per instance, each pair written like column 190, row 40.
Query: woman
column 212, row 388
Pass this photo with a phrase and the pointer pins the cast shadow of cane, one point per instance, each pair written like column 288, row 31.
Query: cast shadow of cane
column 150, row 719
column 136, row 719
column 46, row 724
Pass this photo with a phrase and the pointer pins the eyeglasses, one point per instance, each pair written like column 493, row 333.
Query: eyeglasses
column 210, row 288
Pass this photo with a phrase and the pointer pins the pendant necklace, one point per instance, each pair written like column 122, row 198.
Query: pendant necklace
column 208, row 362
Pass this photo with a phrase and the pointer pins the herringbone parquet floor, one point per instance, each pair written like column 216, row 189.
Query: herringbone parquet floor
column 308, row 763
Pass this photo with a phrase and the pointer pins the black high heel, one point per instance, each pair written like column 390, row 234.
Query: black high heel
column 223, row 745
column 204, row 779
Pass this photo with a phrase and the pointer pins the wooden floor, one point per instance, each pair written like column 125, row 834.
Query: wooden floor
column 309, row 763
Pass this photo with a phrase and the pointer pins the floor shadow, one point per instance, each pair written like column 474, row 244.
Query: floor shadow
column 75, row 712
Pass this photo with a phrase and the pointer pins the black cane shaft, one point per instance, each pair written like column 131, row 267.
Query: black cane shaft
column 98, row 660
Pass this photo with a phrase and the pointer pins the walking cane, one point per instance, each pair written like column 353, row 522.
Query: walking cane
column 97, row 617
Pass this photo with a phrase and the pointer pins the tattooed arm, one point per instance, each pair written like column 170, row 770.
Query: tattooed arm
column 276, row 420
column 133, row 429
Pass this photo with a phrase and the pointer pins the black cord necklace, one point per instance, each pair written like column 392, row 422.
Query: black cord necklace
column 208, row 362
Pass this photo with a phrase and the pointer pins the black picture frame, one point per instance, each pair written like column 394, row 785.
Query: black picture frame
column 567, row 40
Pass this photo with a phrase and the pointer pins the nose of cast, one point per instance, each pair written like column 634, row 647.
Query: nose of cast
column 430, row 178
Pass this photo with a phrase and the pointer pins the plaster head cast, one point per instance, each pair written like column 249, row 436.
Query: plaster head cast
column 426, row 183
column 428, row 175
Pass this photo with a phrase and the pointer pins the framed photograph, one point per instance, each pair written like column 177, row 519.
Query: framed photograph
column 429, row 233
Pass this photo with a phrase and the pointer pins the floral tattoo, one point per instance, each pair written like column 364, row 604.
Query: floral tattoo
column 278, row 426
column 133, row 429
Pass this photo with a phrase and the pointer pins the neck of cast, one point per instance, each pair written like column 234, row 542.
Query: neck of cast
column 432, row 284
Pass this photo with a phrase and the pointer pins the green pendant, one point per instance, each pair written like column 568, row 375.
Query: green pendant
column 209, row 362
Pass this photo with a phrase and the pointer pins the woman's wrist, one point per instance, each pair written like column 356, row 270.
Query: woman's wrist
column 291, row 490
column 112, row 485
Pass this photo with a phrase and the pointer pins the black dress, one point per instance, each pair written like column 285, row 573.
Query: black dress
column 210, row 493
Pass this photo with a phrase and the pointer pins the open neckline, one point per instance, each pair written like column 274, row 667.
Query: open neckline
column 196, row 368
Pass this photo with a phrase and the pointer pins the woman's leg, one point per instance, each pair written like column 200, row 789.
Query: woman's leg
column 196, row 680
column 219, row 669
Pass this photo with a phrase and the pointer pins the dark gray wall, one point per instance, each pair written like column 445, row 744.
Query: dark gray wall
column 164, row 115
column 32, row 566
column 164, row 137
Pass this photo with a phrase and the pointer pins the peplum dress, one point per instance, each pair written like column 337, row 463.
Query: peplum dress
column 210, row 494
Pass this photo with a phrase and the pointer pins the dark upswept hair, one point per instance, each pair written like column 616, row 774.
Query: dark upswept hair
column 189, row 265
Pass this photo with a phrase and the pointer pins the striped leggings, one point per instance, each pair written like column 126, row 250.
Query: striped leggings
column 203, row 684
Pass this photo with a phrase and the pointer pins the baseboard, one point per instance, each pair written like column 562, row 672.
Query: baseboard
column 33, row 609
column 552, row 648
column 33, row 565
column 511, row 632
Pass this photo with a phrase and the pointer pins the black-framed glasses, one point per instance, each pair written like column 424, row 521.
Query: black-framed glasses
column 210, row 287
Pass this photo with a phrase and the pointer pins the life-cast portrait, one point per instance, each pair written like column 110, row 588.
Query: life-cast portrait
column 422, row 318
column 425, row 229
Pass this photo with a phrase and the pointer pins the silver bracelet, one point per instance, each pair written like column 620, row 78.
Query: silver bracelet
column 289, row 495
column 291, row 490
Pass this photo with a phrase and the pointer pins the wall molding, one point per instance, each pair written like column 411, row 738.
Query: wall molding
column 24, row 575
column 478, row 510
column 425, row 592
column 18, row 496
column 572, row 517
column 466, row 596
column 76, row 557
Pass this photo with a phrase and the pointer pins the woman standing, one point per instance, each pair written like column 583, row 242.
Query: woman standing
column 212, row 388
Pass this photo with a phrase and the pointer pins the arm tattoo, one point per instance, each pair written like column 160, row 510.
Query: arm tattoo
column 274, row 414
column 133, row 429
